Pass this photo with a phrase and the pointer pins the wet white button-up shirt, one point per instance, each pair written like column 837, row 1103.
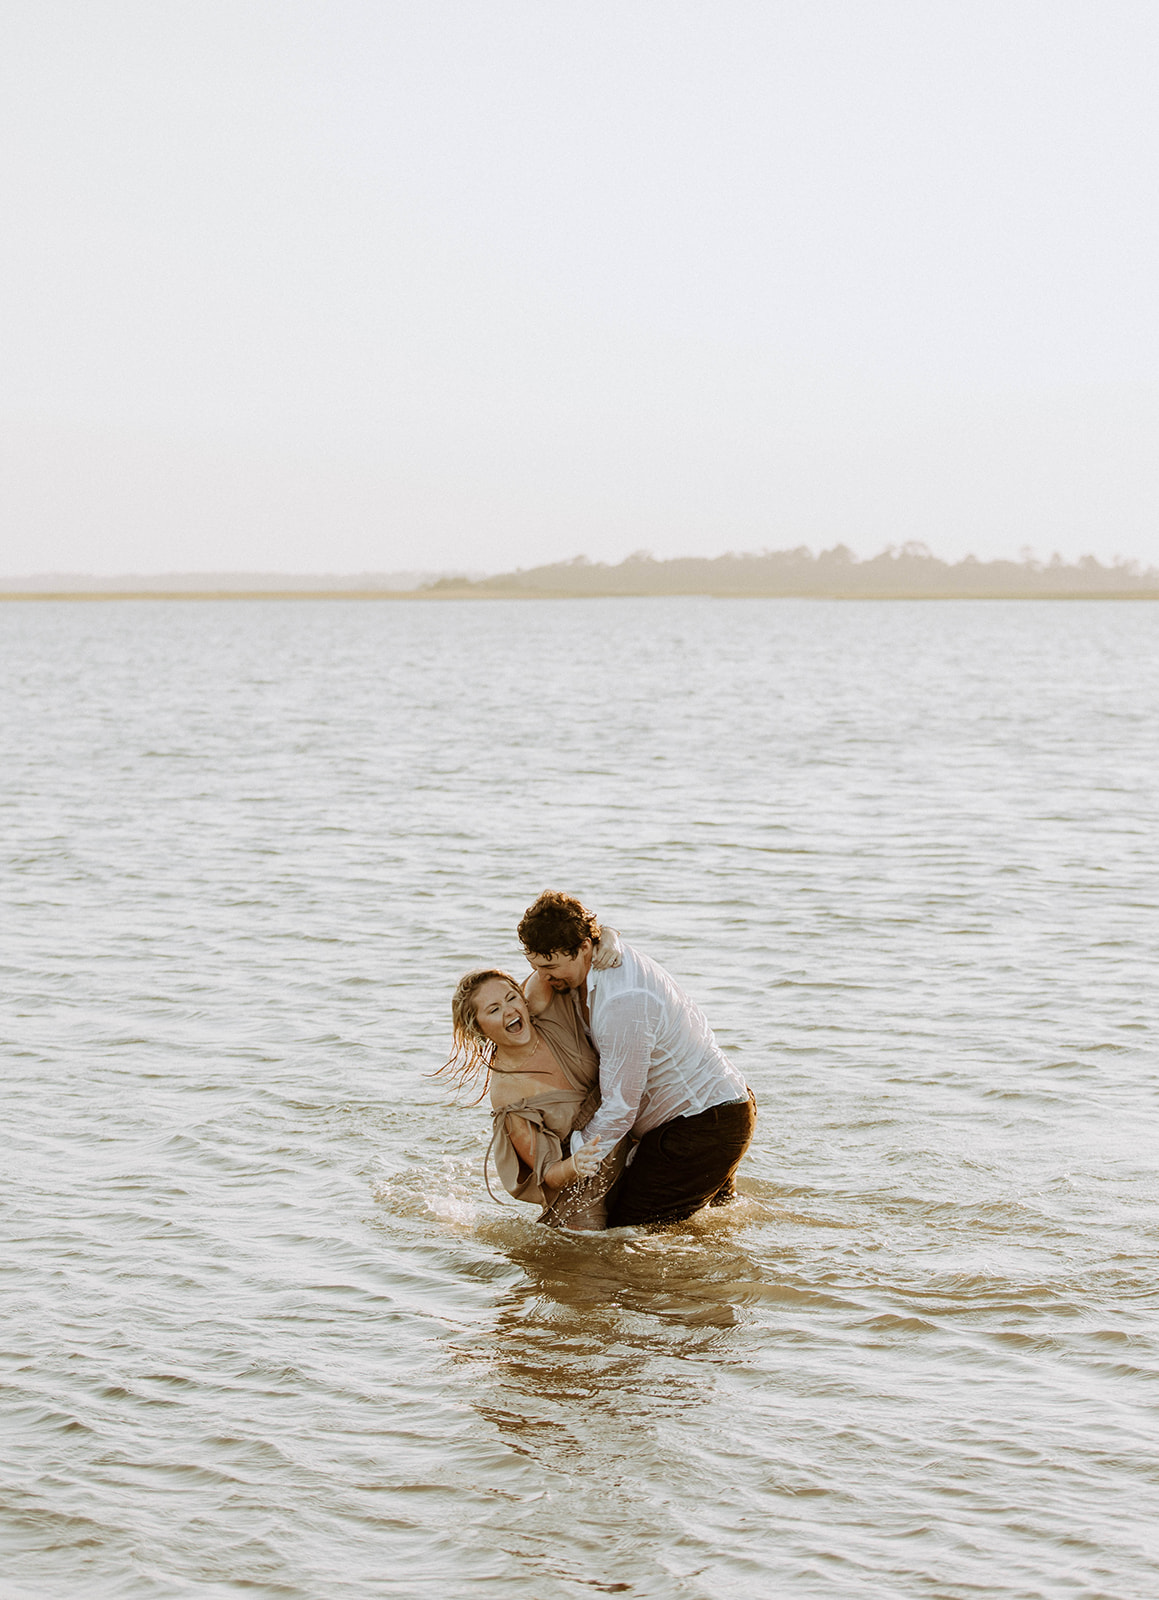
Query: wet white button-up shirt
column 658, row 1057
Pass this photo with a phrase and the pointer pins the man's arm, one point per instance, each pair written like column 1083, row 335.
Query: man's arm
column 625, row 1045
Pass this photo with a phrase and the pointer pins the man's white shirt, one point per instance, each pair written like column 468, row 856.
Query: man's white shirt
column 658, row 1057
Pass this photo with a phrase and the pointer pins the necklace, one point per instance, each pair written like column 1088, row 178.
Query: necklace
column 537, row 1049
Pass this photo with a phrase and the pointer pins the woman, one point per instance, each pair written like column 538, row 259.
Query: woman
column 543, row 1074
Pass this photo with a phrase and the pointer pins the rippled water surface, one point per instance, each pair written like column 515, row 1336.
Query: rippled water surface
column 265, row 1334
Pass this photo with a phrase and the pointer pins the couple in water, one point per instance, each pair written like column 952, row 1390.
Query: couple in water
column 611, row 1102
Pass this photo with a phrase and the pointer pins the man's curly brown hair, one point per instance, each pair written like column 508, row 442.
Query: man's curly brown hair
column 557, row 922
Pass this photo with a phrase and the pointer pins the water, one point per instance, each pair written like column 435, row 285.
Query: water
column 264, row 1332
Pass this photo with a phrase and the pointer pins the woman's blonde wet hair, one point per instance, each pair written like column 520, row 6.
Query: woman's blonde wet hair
column 473, row 1053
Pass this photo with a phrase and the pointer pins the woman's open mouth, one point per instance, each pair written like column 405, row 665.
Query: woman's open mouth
column 515, row 1025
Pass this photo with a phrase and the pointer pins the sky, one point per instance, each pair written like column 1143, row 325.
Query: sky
column 353, row 285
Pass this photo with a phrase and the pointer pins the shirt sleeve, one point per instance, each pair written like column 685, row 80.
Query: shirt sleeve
column 625, row 1045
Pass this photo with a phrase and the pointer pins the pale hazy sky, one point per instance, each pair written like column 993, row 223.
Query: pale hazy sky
column 338, row 285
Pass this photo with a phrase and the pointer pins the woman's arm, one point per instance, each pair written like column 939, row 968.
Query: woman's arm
column 583, row 1164
column 522, row 1138
column 538, row 993
column 585, row 1161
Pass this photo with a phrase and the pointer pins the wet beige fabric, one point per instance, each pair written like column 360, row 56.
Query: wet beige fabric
column 551, row 1114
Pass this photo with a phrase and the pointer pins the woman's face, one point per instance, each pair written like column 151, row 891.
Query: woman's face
column 502, row 1015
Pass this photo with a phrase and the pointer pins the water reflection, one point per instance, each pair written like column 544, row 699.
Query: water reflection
column 693, row 1276
column 607, row 1322
column 601, row 1342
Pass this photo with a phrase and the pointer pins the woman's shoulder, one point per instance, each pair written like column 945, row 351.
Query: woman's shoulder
column 559, row 1012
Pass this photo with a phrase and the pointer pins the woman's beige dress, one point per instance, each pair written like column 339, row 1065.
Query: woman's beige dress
column 551, row 1114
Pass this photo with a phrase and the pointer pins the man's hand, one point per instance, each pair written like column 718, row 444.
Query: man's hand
column 608, row 951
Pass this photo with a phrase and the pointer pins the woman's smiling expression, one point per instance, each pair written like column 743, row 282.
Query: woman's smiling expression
column 502, row 1015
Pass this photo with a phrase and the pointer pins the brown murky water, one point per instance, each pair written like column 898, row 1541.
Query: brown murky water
column 264, row 1332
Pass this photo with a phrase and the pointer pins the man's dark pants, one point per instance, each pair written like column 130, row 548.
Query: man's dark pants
column 683, row 1165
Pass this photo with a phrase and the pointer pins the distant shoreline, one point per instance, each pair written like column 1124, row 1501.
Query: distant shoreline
column 911, row 572
column 473, row 593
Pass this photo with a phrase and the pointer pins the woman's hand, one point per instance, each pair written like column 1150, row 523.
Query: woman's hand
column 587, row 1159
column 608, row 951
column 583, row 1164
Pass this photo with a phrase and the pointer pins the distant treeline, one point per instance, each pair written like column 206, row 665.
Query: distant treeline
column 908, row 571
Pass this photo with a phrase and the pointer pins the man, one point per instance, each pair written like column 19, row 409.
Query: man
column 662, row 1075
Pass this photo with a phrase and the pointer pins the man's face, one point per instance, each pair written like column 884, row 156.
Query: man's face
column 564, row 971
